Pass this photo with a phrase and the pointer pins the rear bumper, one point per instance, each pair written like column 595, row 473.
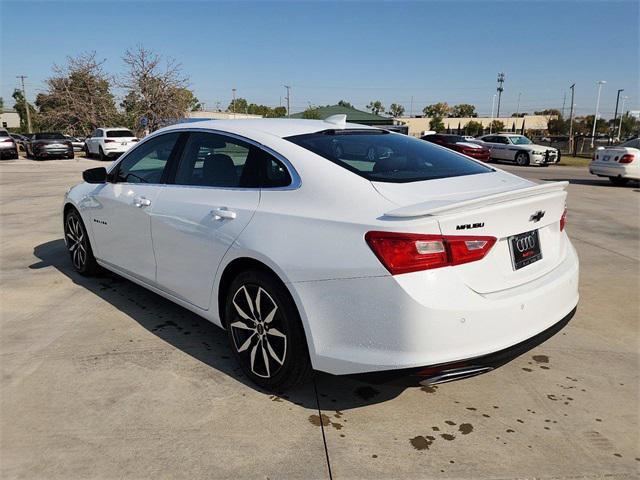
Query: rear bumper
column 612, row 169
column 407, row 322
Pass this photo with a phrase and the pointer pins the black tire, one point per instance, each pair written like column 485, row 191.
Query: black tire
column 618, row 181
column 86, row 152
column 71, row 156
column 522, row 159
column 101, row 154
column 78, row 245
column 271, row 348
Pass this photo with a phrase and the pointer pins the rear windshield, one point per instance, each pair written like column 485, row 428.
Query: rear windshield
column 382, row 156
column 4, row 133
column 119, row 133
column 49, row 136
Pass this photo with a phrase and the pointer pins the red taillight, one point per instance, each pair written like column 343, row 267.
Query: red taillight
column 109, row 141
column 627, row 158
column 563, row 220
column 8, row 140
column 410, row 252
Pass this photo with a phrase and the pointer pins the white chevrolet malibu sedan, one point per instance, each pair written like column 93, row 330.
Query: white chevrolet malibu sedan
column 323, row 245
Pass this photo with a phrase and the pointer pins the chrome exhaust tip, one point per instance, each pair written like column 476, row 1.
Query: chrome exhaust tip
column 455, row 374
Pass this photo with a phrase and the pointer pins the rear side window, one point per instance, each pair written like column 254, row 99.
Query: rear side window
column 119, row 133
column 387, row 157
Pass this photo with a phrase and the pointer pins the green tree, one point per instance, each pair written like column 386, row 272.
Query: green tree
column 396, row 110
column 497, row 126
column 239, row 105
column 1, row 103
column 19, row 107
column 192, row 102
column 473, row 128
column 311, row 113
column 344, row 103
column 440, row 110
column 630, row 126
column 436, row 124
column 584, row 125
column 463, row 110
column 548, row 112
column 519, row 115
column 376, row 107
column 278, row 112
column 558, row 126
column 78, row 96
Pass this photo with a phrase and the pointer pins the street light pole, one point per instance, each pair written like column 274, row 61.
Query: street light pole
column 233, row 101
column 600, row 83
column 500, row 89
column 615, row 115
column 573, row 91
column 518, row 108
column 26, row 104
column 621, row 115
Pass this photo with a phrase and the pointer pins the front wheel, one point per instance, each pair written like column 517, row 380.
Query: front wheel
column 87, row 153
column 618, row 181
column 522, row 159
column 265, row 331
column 78, row 245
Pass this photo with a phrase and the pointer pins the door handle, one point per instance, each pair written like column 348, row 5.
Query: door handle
column 141, row 202
column 223, row 212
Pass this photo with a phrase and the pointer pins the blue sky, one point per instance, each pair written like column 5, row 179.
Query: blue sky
column 359, row 51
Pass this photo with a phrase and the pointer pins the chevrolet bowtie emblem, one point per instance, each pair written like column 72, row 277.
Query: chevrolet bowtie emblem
column 536, row 217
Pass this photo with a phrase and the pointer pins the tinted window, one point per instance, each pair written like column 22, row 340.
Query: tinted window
column 214, row 160
column 145, row 164
column 4, row 133
column 387, row 157
column 635, row 143
column 49, row 136
column 275, row 173
column 120, row 133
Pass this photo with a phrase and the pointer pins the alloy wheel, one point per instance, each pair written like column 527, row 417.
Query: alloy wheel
column 257, row 331
column 76, row 242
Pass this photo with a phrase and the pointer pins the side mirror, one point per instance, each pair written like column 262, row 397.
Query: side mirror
column 95, row 175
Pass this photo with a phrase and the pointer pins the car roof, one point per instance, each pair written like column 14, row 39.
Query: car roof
column 278, row 127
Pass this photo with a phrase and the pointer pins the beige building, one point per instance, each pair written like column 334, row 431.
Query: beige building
column 9, row 119
column 417, row 126
column 206, row 115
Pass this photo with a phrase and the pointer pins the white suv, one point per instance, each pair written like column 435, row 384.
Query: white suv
column 109, row 142
column 519, row 149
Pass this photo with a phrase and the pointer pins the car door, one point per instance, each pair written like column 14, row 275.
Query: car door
column 122, row 207
column 212, row 198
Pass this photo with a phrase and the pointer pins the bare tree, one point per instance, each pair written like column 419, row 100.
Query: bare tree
column 78, row 96
column 156, row 88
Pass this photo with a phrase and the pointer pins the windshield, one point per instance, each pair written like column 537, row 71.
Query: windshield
column 120, row 133
column 519, row 140
column 49, row 136
column 381, row 156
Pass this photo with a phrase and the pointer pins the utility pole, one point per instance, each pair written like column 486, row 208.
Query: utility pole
column 564, row 100
column 26, row 104
column 493, row 104
column 600, row 83
column 615, row 115
column 573, row 88
column 518, row 109
column 288, row 99
column 621, row 115
column 411, row 108
column 500, row 89
column 233, row 102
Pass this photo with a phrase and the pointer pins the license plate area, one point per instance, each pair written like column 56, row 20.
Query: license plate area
column 525, row 249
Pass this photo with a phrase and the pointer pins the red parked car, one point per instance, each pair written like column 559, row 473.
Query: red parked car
column 462, row 144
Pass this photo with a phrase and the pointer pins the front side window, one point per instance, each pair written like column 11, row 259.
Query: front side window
column 519, row 140
column 382, row 156
column 146, row 163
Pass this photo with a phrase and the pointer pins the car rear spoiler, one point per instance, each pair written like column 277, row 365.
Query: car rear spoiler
column 439, row 207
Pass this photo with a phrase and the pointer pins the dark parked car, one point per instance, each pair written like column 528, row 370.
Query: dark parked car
column 8, row 147
column 21, row 140
column 49, row 145
column 462, row 144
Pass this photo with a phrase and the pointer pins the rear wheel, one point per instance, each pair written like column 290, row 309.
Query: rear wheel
column 618, row 181
column 522, row 159
column 101, row 154
column 78, row 245
column 70, row 156
column 87, row 153
column 265, row 331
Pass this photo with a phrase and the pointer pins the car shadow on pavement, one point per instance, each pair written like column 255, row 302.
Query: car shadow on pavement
column 205, row 341
column 599, row 182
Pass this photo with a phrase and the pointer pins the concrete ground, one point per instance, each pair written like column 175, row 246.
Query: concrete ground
column 103, row 379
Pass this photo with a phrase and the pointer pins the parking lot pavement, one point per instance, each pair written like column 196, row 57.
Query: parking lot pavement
column 101, row 378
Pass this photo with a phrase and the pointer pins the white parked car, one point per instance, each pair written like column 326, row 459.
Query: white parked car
column 78, row 145
column 416, row 260
column 620, row 163
column 519, row 149
column 107, row 143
